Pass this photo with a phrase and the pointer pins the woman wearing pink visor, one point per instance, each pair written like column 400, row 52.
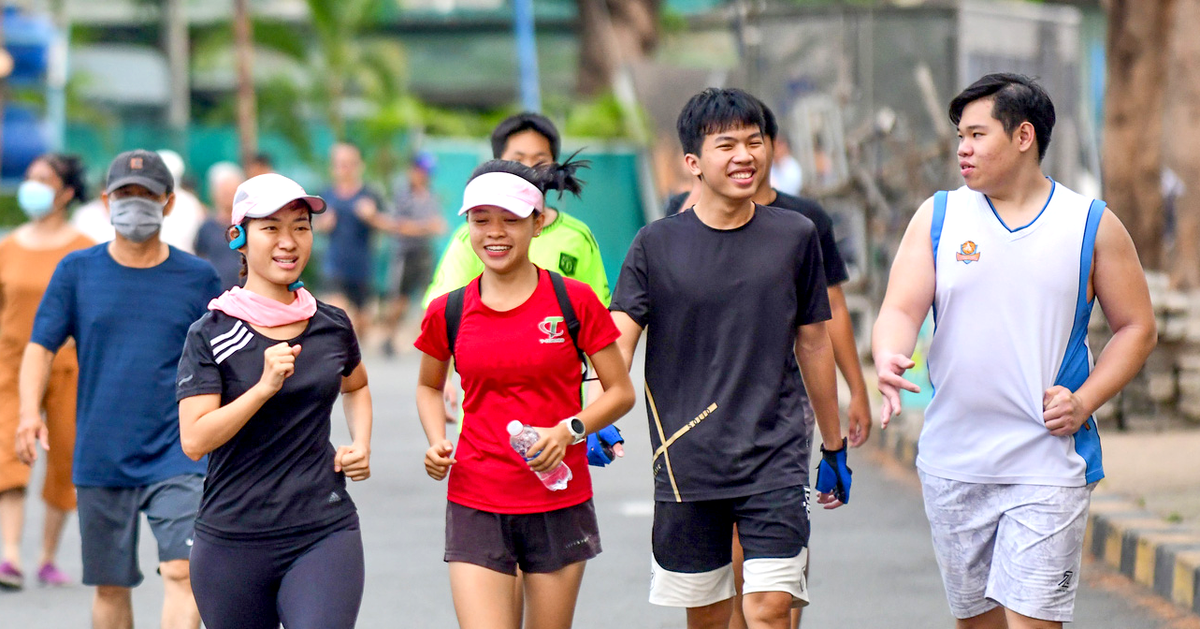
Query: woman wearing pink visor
column 507, row 333
column 277, row 536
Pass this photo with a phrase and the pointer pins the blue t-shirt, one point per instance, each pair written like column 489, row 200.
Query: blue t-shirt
column 349, row 254
column 129, row 325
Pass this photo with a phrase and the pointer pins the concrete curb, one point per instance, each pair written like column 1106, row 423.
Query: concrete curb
column 1162, row 556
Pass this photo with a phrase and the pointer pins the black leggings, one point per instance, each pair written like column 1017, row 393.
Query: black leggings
column 305, row 583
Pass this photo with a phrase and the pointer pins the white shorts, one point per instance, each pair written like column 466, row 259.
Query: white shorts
column 1016, row 546
column 680, row 589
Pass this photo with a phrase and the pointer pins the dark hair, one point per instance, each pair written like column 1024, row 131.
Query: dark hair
column 553, row 176
column 263, row 158
column 770, row 123
column 70, row 170
column 715, row 110
column 1016, row 98
column 526, row 121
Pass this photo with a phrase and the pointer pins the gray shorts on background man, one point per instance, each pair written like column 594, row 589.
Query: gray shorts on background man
column 110, row 523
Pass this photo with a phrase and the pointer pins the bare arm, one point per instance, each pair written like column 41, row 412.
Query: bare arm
column 909, row 296
column 432, row 412
column 354, row 460
column 1119, row 284
column 845, row 353
column 814, row 353
column 205, row 425
column 631, row 333
column 31, row 388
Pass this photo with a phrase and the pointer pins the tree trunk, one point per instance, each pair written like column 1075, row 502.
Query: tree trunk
column 175, row 41
column 1181, row 139
column 1138, row 35
column 247, row 109
column 612, row 32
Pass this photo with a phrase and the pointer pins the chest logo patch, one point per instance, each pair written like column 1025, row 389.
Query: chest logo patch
column 553, row 329
column 968, row 252
column 567, row 263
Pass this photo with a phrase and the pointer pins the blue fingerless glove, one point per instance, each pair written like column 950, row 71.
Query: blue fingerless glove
column 833, row 475
column 600, row 443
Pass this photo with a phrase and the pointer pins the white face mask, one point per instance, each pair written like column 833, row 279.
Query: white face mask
column 136, row 218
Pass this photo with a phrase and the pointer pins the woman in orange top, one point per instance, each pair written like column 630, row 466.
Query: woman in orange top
column 28, row 257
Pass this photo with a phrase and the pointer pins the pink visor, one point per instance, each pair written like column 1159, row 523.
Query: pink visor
column 503, row 190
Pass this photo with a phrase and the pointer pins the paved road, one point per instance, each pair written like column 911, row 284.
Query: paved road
column 872, row 562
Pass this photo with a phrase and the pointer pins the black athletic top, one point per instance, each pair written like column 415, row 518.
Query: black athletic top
column 835, row 266
column 275, row 476
column 721, row 309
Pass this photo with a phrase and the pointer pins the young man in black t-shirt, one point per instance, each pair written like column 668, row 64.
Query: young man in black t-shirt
column 734, row 296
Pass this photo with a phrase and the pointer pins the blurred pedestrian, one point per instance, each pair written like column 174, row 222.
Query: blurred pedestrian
column 180, row 227
column 1011, row 264
column 127, row 305
column 211, row 244
column 356, row 209
column 417, row 218
column 260, row 164
column 786, row 175
column 507, row 336
column 53, row 183
column 277, row 536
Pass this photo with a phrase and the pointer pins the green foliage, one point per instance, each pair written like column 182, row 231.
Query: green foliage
column 10, row 213
column 604, row 117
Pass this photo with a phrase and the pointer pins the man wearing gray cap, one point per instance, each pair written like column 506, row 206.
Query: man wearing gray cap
column 128, row 305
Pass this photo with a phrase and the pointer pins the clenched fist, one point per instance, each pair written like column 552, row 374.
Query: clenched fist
column 279, row 362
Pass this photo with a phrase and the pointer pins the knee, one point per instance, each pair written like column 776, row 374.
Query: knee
column 766, row 607
column 177, row 571
column 112, row 594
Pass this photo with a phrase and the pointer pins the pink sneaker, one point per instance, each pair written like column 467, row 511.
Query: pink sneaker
column 50, row 575
column 10, row 577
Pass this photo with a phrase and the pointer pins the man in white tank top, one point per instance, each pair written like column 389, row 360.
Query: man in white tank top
column 1011, row 264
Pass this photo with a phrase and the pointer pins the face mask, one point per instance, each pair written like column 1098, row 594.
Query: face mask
column 136, row 218
column 35, row 198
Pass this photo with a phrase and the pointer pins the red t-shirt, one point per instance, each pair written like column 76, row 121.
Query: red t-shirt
column 518, row 364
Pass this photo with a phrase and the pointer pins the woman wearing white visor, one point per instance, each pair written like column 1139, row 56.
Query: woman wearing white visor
column 507, row 331
column 277, row 536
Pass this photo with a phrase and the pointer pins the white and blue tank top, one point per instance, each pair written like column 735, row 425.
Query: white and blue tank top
column 1011, row 312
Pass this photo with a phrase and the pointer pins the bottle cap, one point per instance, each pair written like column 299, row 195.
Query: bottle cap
column 515, row 427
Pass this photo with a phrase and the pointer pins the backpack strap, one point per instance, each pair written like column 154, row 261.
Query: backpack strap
column 570, row 320
column 454, row 309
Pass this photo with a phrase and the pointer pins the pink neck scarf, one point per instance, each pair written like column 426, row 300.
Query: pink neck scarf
column 264, row 311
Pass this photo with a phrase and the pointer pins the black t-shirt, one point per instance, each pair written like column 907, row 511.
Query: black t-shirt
column 721, row 309
column 275, row 476
column 835, row 266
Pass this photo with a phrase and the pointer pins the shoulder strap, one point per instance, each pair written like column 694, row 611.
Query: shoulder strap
column 939, row 217
column 454, row 308
column 570, row 320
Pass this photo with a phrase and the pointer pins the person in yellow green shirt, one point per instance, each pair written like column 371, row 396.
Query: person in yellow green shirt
column 566, row 245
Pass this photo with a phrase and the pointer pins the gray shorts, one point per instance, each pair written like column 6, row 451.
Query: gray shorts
column 1016, row 546
column 109, row 525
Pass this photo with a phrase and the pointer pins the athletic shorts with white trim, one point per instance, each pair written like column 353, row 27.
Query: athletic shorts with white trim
column 692, row 563
column 1016, row 546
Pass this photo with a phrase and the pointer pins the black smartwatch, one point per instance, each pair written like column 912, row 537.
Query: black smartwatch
column 576, row 428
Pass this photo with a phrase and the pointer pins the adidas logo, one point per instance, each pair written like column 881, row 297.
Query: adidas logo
column 333, row 497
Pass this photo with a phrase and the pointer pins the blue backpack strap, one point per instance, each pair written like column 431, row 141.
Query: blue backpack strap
column 454, row 308
column 939, row 217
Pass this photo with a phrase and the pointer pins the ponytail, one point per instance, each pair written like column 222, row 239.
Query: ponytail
column 554, row 176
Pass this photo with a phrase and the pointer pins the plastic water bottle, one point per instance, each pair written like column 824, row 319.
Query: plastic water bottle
column 523, row 437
